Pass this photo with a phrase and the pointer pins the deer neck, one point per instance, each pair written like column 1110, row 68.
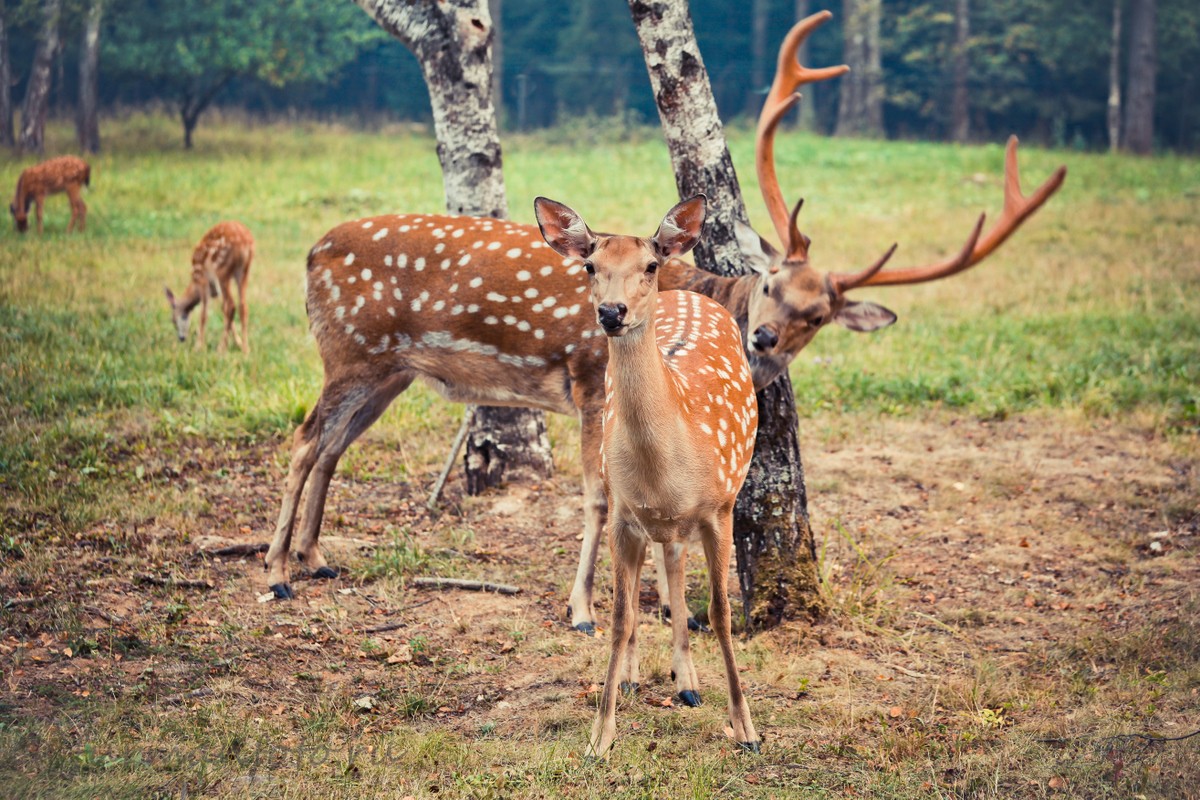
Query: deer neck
column 642, row 387
column 190, row 299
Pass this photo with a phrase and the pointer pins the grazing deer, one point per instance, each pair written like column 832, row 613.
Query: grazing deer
column 221, row 258
column 63, row 174
column 680, row 418
column 452, row 300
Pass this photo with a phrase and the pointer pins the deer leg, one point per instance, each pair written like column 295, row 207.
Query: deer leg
column 630, row 673
column 78, row 209
column 664, row 590
column 628, row 550
column 312, row 441
column 361, row 406
column 717, row 537
column 203, row 319
column 244, row 342
column 227, row 311
column 683, row 672
column 38, row 203
column 595, row 510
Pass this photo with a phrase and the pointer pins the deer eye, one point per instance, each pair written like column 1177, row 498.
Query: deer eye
column 589, row 268
column 652, row 268
column 766, row 290
column 816, row 321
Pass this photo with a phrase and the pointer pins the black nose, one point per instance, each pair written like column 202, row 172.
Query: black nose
column 765, row 338
column 611, row 315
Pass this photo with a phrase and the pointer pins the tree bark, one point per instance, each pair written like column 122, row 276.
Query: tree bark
column 7, row 138
column 960, row 103
column 1114, row 81
column 37, row 91
column 774, row 541
column 88, row 122
column 1143, row 72
column 496, row 9
column 759, row 10
column 860, row 110
column 453, row 40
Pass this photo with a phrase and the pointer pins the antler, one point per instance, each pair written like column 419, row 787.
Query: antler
column 790, row 75
column 1017, row 209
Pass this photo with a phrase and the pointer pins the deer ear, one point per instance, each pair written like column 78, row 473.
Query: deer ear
column 760, row 256
column 563, row 229
column 864, row 317
column 170, row 295
column 679, row 231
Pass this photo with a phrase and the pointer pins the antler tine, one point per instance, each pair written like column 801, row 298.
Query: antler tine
column 843, row 282
column 790, row 75
column 1017, row 209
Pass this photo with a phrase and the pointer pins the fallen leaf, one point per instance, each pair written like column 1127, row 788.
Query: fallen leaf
column 895, row 712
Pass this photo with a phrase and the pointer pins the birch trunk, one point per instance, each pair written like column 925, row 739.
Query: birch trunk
column 1114, row 81
column 860, row 110
column 7, row 138
column 772, row 536
column 1143, row 73
column 960, row 103
column 88, row 122
column 37, row 91
column 453, row 42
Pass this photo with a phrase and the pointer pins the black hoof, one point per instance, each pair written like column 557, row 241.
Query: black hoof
column 283, row 592
column 325, row 572
column 689, row 698
column 629, row 688
column 698, row 626
column 586, row 627
column 750, row 747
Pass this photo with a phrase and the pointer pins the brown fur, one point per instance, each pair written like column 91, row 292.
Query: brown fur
column 221, row 259
column 63, row 174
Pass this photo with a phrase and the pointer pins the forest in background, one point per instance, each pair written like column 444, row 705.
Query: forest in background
column 959, row 70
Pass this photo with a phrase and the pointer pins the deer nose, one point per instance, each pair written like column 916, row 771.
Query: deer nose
column 765, row 338
column 611, row 315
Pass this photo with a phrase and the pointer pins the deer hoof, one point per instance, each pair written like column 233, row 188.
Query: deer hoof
column 689, row 698
column 325, row 572
column 586, row 627
column 283, row 592
column 698, row 626
column 750, row 747
column 629, row 688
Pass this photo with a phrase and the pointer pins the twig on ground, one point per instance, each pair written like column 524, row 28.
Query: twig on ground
column 176, row 699
column 113, row 619
column 24, row 602
column 239, row 549
column 391, row 626
column 456, row 583
column 175, row 583
column 459, row 438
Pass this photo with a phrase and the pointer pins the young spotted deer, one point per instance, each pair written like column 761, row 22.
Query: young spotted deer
column 680, row 417
column 486, row 313
column 221, row 259
column 63, row 174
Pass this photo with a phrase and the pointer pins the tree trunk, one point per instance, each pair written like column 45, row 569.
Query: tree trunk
column 806, row 109
column 496, row 9
column 960, row 103
column 37, row 91
column 860, row 110
column 88, row 123
column 1143, row 70
column 1114, row 81
column 452, row 40
column 7, row 139
column 772, row 535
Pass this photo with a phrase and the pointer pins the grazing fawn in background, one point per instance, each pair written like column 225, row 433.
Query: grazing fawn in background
column 486, row 313
column 63, row 174
column 680, row 417
column 222, row 258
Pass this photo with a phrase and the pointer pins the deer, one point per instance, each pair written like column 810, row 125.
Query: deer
column 680, row 418
column 63, row 174
column 451, row 300
column 220, row 260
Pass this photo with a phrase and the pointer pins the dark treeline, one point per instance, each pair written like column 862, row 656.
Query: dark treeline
column 928, row 69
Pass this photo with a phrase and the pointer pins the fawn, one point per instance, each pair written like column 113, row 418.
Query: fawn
column 680, row 418
column 222, row 257
column 63, row 174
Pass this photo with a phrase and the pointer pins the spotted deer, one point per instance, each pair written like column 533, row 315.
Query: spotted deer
column 484, row 312
column 680, row 417
column 221, row 259
column 63, row 174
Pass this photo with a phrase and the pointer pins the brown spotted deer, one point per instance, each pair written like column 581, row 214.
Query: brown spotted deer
column 220, row 261
column 63, row 174
column 680, row 417
column 484, row 312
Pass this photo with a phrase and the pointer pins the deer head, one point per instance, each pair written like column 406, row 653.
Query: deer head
column 792, row 300
column 622, row 270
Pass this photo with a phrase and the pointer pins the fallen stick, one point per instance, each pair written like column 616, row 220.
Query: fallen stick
column 459, row 438
column 112, row 619
column 239, row 549
column 175, row 583
column 456, row 583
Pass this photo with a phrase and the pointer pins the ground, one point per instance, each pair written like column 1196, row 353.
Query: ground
column 1008, row 600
